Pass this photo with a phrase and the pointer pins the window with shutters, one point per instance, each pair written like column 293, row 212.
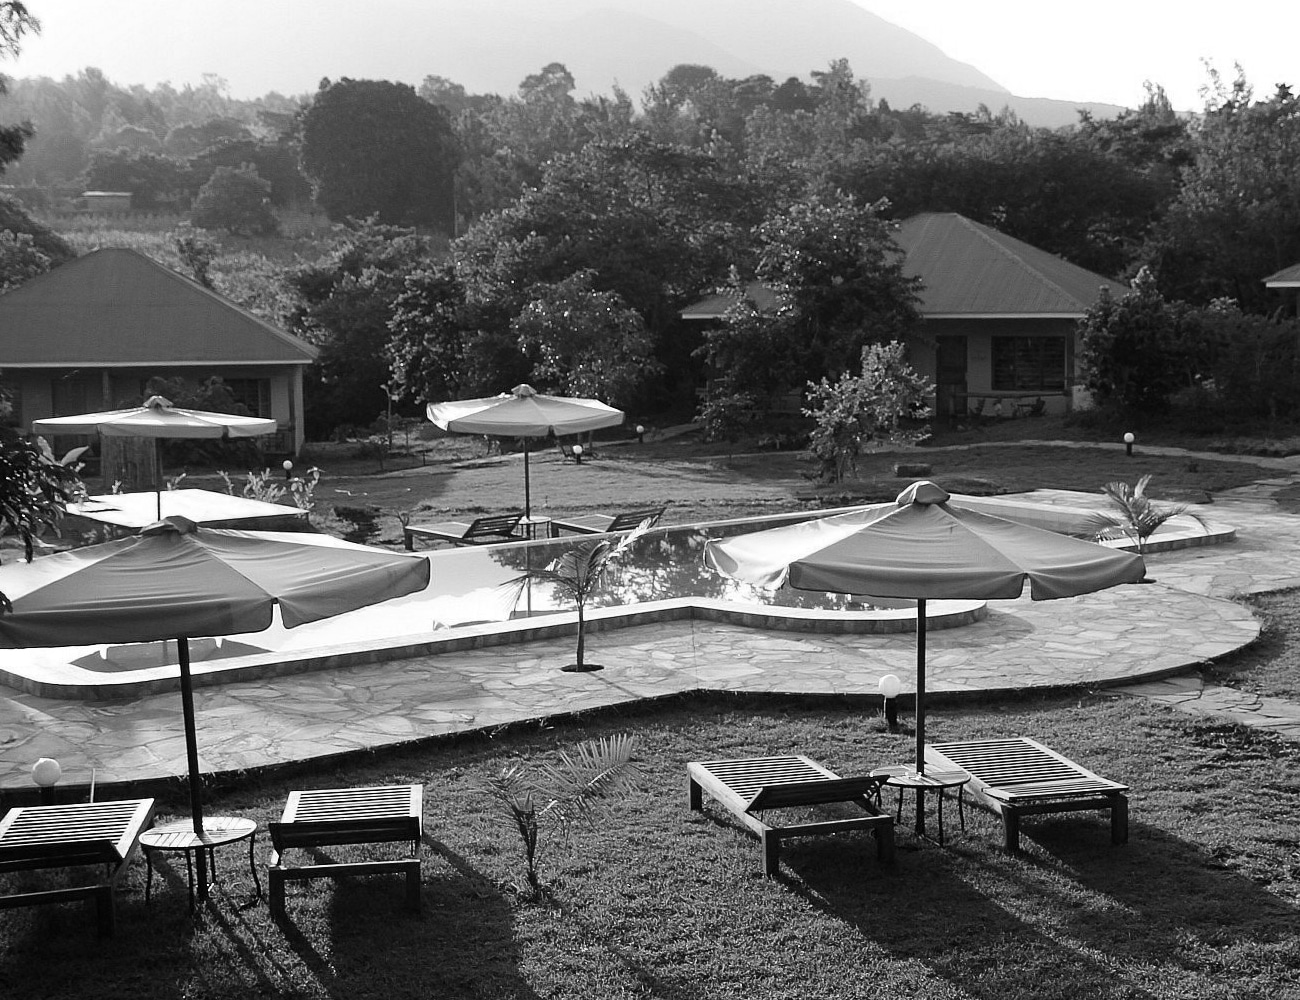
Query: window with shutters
column 1029, row 364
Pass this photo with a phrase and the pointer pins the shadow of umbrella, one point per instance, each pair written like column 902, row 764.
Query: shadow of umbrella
column 178, row 581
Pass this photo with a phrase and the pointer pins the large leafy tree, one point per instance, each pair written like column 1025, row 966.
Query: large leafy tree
column 1236, row 219
column 237, row 201
column 346, row 301
column 372, row 147
column 585, row 343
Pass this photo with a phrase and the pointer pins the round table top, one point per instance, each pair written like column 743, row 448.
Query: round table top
column 905, row 776
column 179, row 835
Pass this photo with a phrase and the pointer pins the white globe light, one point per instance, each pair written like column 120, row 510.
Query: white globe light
column 640, row 428
column 577, row 449
column 1128, row 438
column 46, row 771
column 286, row 465
column 890, row 685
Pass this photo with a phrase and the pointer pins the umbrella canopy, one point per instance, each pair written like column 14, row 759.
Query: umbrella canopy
column 923, row 547
column 176, row 581
column 158, row 419
column 524, row 412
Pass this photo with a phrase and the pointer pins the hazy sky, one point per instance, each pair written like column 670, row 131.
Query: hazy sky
column 1102, row 50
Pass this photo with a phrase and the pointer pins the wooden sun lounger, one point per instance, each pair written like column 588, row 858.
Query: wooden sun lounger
column 66, row 836
column 750, row 788
column 480, row 531
column 594, row 524
column 330, row 816
column 1021, row 777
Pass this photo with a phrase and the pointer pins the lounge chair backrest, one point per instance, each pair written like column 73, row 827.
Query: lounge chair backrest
column 810, row 793
column 629, row 519
column 492, row 525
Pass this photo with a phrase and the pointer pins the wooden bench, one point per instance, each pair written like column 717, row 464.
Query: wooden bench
column 481, row 531
column 1020, row 777
column 752, row 788
column 68, row 836
column 594, row 524
column 332, row 816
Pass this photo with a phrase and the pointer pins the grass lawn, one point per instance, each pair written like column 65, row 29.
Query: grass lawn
column 663, row 902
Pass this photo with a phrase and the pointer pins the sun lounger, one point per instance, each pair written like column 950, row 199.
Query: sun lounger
column 753, row 788
column 593, row 524
column 68, row 836
column 1021, row 777
column 480, row 531
column 332, row 816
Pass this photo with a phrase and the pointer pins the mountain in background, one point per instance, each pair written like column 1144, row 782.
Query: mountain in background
column 489, row 46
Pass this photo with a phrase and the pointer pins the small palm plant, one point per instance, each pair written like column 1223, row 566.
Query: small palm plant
column 1138, row 517
column 580, row 785
column 579, row 573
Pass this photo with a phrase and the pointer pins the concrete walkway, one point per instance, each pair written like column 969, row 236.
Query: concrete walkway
column 1148, row 640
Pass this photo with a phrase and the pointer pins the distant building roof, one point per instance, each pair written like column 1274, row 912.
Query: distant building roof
column 118, row 308
column 1288, row 277
column 972, row 270
column 968, row 271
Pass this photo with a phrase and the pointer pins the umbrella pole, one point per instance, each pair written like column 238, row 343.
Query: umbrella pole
column 157, row 475
column 920, row 686
column 528, row 503
column 192, row 756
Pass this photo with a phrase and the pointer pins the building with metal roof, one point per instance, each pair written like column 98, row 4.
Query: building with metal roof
column 88, row 335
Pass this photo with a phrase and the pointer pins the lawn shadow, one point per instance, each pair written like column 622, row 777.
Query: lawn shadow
column 1071, row 910
column 460, row 944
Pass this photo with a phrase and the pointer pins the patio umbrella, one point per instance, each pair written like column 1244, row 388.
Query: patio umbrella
column 526, row 413
column 158, row 419
column 923, row 547
column 178, row 581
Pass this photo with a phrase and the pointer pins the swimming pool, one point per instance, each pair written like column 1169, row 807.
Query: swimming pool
column 480, row 596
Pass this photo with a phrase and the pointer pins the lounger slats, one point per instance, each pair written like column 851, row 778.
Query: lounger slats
column 1022, row 777
column 763, row 785
column 332, row 817
column 68, row 836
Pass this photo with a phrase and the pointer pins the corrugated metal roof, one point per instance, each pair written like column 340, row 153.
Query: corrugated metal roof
column 716, row 305
column 1285, row 277
column 972, row 270
column 118, row 307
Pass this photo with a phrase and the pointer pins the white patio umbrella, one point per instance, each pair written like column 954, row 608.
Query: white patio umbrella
column 158, row 419
column 524, row 412
column 178, row 581
column 921, row 547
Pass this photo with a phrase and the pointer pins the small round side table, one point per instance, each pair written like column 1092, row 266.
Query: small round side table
column 905, row 776
column 179, row 835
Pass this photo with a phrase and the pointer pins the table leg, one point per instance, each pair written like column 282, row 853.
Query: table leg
column 939, row 791
column 148, row 878
column 252, row 863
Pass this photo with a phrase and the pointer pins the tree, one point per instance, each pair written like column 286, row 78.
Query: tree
column 375, row 148
column 197, row 252
column 840, row 285
column 154, row 179
column 578, row 573
column 346, row 300
column 237, row 201
column 15, row 22
column 585, row 343
column 20, row 260
column 1130, row 349
column 858, row 409
column 35, row 489
column 1236, row 218
column 43, row 240
column 577, row 787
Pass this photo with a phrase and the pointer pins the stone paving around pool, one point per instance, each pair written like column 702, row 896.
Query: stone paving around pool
column 1141, row 634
